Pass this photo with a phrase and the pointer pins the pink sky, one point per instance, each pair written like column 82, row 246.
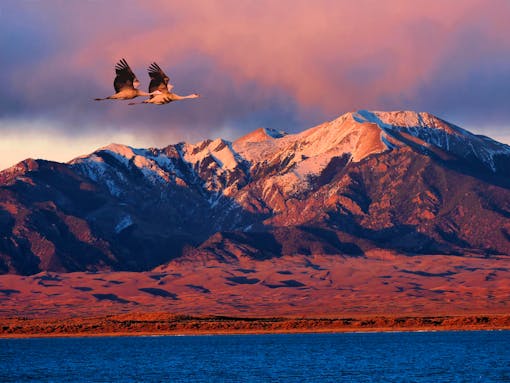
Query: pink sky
column 282, row 64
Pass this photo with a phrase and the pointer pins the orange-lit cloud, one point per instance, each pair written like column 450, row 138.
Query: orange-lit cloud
column 325, row 54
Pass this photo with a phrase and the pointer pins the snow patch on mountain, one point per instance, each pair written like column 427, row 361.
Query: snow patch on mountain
column 220, row 150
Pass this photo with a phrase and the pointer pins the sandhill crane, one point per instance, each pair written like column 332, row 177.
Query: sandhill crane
column 125, row 84
column 160, row 89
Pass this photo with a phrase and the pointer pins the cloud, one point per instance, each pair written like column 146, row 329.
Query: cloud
column 285, row 64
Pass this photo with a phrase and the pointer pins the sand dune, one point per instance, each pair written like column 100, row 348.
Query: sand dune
column 383, row 283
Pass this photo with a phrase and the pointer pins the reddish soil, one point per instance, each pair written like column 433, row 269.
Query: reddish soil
column 382, row 284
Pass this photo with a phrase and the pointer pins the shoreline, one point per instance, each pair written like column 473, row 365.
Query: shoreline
column 163, row 324
column 179, row 334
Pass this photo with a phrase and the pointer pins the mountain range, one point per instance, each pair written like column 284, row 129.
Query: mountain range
column 402, row 181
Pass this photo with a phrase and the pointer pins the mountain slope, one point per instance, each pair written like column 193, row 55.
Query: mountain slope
column 404, row 181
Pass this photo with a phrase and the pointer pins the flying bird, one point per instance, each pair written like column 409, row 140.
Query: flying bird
column 125, row 83
column 160, row 88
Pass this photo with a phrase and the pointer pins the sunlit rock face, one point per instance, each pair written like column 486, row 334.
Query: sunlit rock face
column 403, row 181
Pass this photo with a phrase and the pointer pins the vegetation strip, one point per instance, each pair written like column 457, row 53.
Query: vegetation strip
column 162, row 323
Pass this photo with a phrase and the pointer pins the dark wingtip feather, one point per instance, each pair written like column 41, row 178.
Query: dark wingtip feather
column 154, row 68
column 121, row 64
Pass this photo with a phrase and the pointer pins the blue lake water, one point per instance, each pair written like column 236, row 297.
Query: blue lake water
column 360, row 357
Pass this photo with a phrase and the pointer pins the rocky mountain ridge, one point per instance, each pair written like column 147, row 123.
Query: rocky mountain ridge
column 404, row 181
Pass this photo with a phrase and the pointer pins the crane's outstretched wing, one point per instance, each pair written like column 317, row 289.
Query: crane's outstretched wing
column 159, row 80
column 125, row 76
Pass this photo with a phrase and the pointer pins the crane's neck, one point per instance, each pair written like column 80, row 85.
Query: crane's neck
column 178, row 97
column 142, row 93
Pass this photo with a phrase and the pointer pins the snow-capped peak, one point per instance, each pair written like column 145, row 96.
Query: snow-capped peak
column 155, row 167
column 434, row 132
column 122, row 153
column 122, row 150
column 407, row 119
